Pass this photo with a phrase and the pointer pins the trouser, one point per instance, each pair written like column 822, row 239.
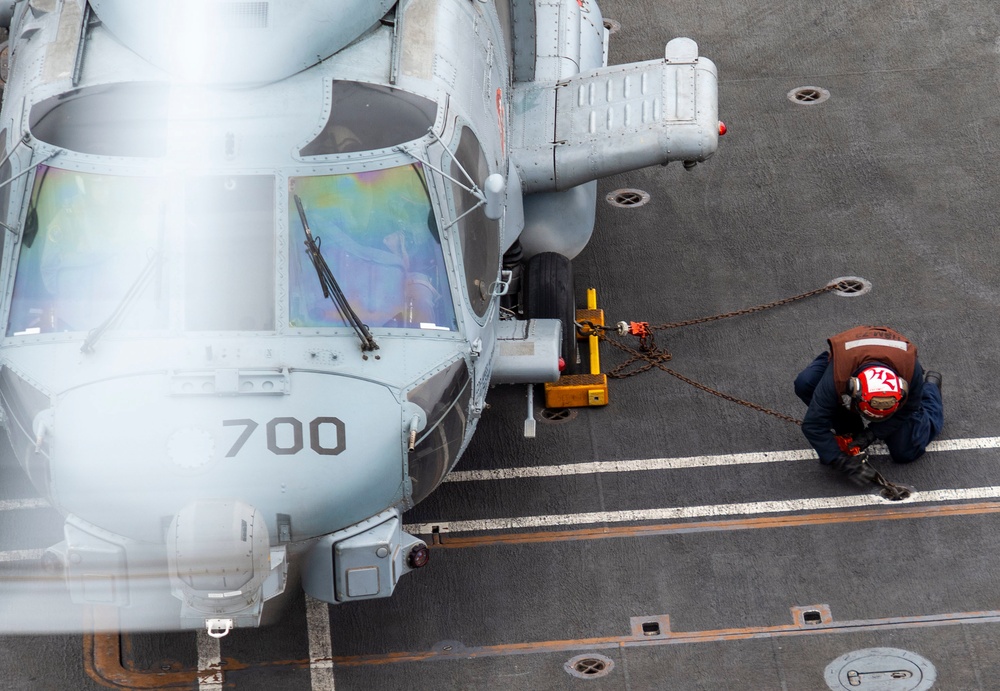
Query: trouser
column 905, row 434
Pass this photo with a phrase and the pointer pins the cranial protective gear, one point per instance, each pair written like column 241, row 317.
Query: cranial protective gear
column 877, row 392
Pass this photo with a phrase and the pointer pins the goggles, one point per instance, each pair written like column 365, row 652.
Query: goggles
column 883, row 403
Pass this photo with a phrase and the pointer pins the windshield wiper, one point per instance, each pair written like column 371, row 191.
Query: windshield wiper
column 331, row 289
column 133, row 290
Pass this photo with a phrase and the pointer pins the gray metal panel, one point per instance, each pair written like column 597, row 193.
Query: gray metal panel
column 557, row 39
column 527, row 351
column 620, row 118
column 523, row 13
column 559, row 221
column 514, row 212
column 455, row 48
column 418, row 20
column 60, row 56
column 532, row 129
column 592, row 37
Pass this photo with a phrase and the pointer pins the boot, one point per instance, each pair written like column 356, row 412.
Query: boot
column 933, row 378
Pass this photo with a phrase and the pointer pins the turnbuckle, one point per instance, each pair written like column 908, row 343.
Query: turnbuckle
column 640, row 329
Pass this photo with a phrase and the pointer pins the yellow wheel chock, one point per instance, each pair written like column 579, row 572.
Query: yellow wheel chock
column 582, row 390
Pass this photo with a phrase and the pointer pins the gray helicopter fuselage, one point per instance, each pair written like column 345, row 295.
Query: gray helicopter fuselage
column 176, row 382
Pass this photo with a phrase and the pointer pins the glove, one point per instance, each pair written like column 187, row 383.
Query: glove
column 863, row 440
column 855, row 468
column 855, row 444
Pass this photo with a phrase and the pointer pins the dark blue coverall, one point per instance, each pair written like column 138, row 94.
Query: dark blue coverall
column 907, row 433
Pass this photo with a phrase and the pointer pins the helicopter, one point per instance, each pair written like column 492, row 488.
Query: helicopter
column 263, row 261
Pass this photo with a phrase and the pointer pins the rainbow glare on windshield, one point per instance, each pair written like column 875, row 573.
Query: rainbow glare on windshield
column 378, row 234
column 85, row 238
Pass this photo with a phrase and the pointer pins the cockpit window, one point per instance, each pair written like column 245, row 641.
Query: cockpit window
column 378, row 234
column 445, row 399
column 95, row 245
column 479, row 236
column 228, row 253
column 364, row 117
column 86, row 240
column 126, row 119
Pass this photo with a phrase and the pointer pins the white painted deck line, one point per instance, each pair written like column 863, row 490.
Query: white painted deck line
column 690, row 462
column 320, row 645
column 209, row 662
column 706, row 511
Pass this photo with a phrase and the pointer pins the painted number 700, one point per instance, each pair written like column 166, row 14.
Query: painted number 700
column 297, row 444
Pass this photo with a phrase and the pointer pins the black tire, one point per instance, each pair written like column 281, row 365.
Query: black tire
column 549, row 294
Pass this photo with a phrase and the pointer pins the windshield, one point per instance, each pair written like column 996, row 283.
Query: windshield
column 100, row 245
column 378, row 235
column 207, row 247
column 86, row 239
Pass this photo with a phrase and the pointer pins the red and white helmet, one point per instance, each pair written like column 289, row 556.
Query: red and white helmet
column 877, row 391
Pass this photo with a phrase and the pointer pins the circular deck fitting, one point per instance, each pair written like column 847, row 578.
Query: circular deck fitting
column 557, row 414
column 589, row 666
column 851, row 286
column 627, row 198
column 808, row 95
column 902, row 494
column 880, row 669
column 613, row 26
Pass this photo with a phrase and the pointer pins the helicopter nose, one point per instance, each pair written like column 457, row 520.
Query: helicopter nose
column 324, row 449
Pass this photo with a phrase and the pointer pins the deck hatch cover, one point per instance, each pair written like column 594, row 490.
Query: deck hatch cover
column 880, row 669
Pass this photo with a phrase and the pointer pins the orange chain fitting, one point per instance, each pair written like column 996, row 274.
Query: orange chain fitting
column 640, row 329
column 846, row 444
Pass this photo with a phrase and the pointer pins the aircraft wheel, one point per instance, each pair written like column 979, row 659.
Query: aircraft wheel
column 549, row 294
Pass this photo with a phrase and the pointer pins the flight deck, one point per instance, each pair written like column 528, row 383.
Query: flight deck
column 673, row 540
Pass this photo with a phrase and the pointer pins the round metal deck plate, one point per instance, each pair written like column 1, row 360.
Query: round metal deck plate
column 851, row 286
column 880, row 669
column 589, row 666
column 557, row 415
column 627, row 198
column 808, row 95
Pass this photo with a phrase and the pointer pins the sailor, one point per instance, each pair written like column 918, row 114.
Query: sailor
column 869, row 386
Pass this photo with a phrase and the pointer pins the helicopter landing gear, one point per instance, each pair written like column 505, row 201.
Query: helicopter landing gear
column 549, row 294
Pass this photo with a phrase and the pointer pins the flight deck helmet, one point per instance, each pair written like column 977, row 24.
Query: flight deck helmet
column 877, row 391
